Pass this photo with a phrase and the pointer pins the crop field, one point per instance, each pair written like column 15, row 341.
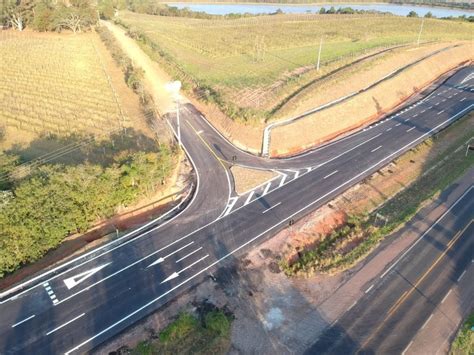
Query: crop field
column 249, row 61
column 55, row 84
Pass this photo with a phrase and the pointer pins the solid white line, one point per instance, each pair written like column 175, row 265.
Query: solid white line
column 266, row 189
column 426, row 321
column 268, row 209
column 264, row 232
column 446, row 296
column 249, row 198
column 334, row 172
column 410, row 129
column 351, row 306
column 440, row 112
column 373, row 150
column 404, row 351
column 63, row 325
column 368, row 290
column 461, row 276
column 187, row 255
column 427, row 231
column 23, row 321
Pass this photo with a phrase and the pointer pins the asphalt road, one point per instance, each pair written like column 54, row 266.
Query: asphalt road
column 387, row 318
column 74, row 307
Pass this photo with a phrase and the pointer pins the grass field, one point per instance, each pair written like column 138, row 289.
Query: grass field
column 56, row 84
column 249, row 60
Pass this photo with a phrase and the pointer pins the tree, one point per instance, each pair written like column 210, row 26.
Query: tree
column 78, row 16
column 412, row 14
column 429, row 14
column 322, row 11
column 19, row 13
column 332, row 10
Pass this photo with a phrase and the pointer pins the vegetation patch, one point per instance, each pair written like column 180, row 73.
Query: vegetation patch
column 464, row 341
column 348, row 244
column 246, row 65
column 206, row 331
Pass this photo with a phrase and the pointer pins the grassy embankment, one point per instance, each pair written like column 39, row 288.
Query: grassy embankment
column 346, row 245
column 247, row 65
column 207, row 333
column 464, row 342
column 57, row 97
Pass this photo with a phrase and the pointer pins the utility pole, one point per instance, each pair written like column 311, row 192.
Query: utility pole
column 421, row 29
column 319, row 53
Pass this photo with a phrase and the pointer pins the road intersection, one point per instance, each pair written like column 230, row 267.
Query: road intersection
column 80, row 305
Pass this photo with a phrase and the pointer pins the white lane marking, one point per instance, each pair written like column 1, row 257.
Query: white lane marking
column 389, row 129
column 249, row 198
column 282, row 181
column 440, row 112
column 368, row 290
column 427, row 231
column 415, row 115
column 398, row 124
column 450, row 96
column 429, row 108
column 464, row 98
column 233, row 201
column 160, row 260
column 267, row 188
column 188, row 255
column 176, row 273
column 334, row 172
column 374, row 150
column 351, row 306
column 404, row 351
column 268, row 209
column 444, row 100
column 75, row 280
column 23, row 321
column 455, row 93
column 63, row 325
column 406, row 120
column 297, row 174
column 446, row 296
column 266, row 231
column 461, row 276
column 199, row 132
column 423, row 111
column 426, row 321
column 436, row 104
column 410, row 129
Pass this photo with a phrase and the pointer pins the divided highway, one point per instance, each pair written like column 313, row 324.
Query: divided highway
column 403, row 300
column 77, row 306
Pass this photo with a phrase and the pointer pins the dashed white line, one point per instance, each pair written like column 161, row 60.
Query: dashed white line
column 334, row 172
column 415, row 115
column 375, row 149
column 23, row 321
column 268, row 209
column 429, row 108
column 440, row 112
column 461, row 276
column 411, row 129
column 389, row 129
column 464, row 98
column 249, row 198
column 63, row 325
column 426, row 321
column 188, row 255
column 446, row 296
column 368, row 290
column 398, row 124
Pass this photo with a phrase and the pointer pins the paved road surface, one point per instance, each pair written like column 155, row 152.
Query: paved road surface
column 77, row 306
column 394, row 309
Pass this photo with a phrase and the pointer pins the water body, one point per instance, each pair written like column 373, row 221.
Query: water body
column 400, row 10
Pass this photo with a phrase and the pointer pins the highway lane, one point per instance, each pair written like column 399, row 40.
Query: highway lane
column 392, row 311
column 125, row 288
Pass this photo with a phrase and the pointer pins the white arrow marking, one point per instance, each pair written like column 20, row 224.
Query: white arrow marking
column 176, row 273
column 75, row 280
column 160, row 260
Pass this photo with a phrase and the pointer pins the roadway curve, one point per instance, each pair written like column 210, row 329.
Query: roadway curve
column 92, row 298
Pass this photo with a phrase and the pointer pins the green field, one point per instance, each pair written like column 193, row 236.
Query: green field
column 249, row 57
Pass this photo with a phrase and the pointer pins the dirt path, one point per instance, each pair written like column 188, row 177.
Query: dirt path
column 155, row 78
